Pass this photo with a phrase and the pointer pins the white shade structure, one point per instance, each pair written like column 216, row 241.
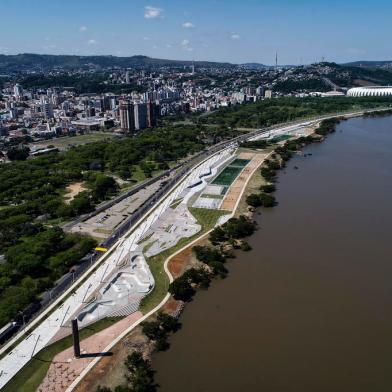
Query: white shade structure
column 370, row 91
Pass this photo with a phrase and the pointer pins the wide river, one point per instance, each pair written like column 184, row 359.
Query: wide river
column 309, row 309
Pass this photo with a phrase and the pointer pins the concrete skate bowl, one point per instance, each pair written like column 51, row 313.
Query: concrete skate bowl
column 95, row 311
column 141, row 274
column 125, row 289
column 206, row 174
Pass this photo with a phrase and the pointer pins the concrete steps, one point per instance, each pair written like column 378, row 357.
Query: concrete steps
column 126, row 310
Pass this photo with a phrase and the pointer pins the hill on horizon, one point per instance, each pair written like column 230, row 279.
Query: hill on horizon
column 23, row 61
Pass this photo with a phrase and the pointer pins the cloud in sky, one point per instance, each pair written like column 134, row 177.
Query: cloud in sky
column 92, row 42
column 356, row 51
column 185, row 44
column 188, row 25
column 49, row 47
column 235, row 36
column 151, row 12
column 82, row 29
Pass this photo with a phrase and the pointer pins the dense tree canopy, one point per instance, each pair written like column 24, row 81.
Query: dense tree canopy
column 33, row 263
column 32, row 192
column 272, row 111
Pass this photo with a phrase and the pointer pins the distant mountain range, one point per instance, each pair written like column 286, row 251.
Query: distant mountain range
column 43, row 62
column 369, row 64
column 255, row 66
column 19, row 62
column 258, row 66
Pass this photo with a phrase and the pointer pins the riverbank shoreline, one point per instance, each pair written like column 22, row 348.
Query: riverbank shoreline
column 167, row 261
column 242, row 198
column 306, row 286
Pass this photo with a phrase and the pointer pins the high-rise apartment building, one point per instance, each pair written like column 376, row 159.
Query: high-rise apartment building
column 127, row 115
column 140, row 116
column 152, row 113
column 18, row 90
column 260, row 91
column 47, row 109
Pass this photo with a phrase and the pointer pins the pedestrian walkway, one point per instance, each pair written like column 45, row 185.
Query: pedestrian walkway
column 65, row 367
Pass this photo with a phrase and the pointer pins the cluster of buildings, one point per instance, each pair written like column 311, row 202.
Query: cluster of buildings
column 138, row 115
column 140, row 97
column 40, row 114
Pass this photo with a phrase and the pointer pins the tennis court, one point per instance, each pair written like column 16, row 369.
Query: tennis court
column 239, row 162
column 230, row 172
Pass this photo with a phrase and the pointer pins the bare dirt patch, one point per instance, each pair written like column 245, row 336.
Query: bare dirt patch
column 72, row 190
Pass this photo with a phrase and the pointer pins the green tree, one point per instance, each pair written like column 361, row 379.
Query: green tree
column 141, row 375
column 18, row 153
column 168, row 323
column 267, row 200
column 103, row 187
column 217, row 235
column 81, row 203
column 269, row 188
column 207, row 254
column 253, row 200
column 181, row 289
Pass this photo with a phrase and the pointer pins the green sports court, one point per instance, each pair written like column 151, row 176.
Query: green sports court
column 230, row 172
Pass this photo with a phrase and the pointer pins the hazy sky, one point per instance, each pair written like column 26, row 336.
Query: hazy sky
column 301, row 31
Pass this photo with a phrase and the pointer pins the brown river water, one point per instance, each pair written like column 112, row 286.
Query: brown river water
column 309, row 309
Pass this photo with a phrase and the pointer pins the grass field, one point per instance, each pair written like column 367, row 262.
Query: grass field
column 31, row 376
column 208, row 196
column 139, row 176
column 65, row 142
column 280, row 138
column 176, row 203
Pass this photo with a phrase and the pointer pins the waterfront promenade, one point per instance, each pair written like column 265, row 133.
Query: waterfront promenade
column 74, row 300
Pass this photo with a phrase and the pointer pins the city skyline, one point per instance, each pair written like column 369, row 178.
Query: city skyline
column 250, row 31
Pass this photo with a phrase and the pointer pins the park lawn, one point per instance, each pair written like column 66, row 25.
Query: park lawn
column 56, row 222
column 280, row 138
column 65, row 142
column 176, row 203
column 139, row 176
column 212, row 196
column 207, row 219
column 33, row 373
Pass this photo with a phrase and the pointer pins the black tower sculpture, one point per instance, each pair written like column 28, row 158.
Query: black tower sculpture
column 75, row 335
